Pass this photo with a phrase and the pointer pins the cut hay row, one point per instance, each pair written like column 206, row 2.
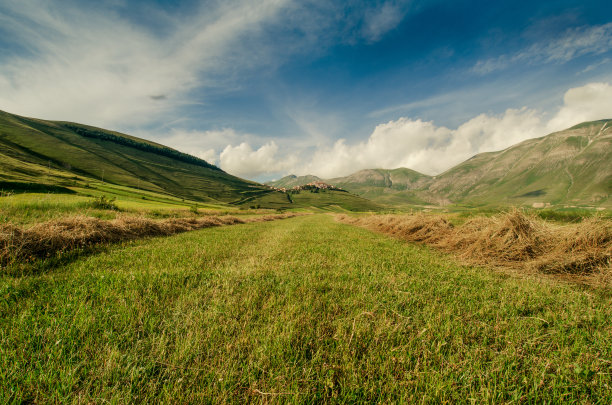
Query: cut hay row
column 511, row 240
column 54, row 237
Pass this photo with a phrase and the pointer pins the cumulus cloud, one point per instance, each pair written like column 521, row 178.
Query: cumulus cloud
column 205, row 144
column 573, row 43
column 424, row 146
column 404, row 142
column 586, row 103
column 431, row 149
column 242, row 160
column 417, row 144
column 209, row 155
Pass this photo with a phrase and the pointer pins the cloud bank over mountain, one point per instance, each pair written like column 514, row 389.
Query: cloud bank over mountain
column 422, row 145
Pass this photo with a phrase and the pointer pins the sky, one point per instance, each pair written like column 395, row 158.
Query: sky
column 274, row 87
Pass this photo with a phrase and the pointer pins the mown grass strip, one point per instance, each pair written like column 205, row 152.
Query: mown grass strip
column 297, row 311
column 49, row 239
column 510, row 240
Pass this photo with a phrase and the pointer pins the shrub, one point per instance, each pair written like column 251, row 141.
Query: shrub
column 104, row 203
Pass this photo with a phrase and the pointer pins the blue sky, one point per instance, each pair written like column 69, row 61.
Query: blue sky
column 273, row 87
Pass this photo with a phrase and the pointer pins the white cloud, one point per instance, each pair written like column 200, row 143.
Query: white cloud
column 242, row 160
column 209, row 155
column 590, row 102
column 379, row 21
column 572, row 44
column 205, row 144
column 91, row 65
column 404, row 142
column 425, row 147
column 431, row 149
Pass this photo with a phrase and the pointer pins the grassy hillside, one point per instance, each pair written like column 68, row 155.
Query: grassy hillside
column 570, row 167
column 327, row 200
column 563, row 169
column 68, row 154
column 301, row 310
column 44, row 156
column 388, row 187
column 395, row 187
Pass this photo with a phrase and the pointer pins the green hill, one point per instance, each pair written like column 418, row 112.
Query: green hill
column 395, row 186
column 566, row 168
column 52, row 156
column 292, row 181
column 570, row 167
column 29, row 146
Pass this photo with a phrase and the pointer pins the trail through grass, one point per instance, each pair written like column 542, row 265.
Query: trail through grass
column 297, row 311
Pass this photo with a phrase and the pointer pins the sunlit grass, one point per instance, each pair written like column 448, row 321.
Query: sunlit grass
column 301, row 310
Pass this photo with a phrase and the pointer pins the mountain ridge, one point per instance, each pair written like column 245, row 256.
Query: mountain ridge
column 565, row 167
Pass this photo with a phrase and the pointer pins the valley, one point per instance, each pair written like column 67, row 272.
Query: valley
column 135, row 273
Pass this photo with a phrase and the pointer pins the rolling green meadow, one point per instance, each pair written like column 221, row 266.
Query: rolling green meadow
column 235, row 202
column 300, row 310
column 134, row 273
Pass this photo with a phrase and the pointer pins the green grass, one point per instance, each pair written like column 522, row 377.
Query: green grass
column 299, row 311
column 40, row 156
column 52, row 153
column 570, row 214
column 29, row 208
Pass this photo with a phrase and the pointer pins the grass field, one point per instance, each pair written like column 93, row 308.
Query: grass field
column 301, row 310
column 36, row 155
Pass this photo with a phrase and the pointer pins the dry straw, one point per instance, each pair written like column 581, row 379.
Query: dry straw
column 50, row 238
column 511, row 240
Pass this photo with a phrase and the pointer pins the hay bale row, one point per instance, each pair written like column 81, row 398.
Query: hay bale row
column 50, row 238
column 513, row 240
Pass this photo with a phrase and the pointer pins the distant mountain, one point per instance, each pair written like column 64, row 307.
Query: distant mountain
column 292, row 181
column 570, row 167
column 396, row 186
column 63, row 157
column 397, row 179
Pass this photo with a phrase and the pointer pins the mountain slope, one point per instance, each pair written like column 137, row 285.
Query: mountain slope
column 573, row 166
column 59, row 156
column 395, row 186
column 292, row 180
column 115, row 158
column 570, row 167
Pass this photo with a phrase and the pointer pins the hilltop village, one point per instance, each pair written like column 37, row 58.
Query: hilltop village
column 313, row 187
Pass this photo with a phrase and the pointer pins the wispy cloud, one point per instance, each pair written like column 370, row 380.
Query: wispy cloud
column 92, row 63
column 595, row 66
column 95, row 66
column 573, row 43
column 380, row 20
